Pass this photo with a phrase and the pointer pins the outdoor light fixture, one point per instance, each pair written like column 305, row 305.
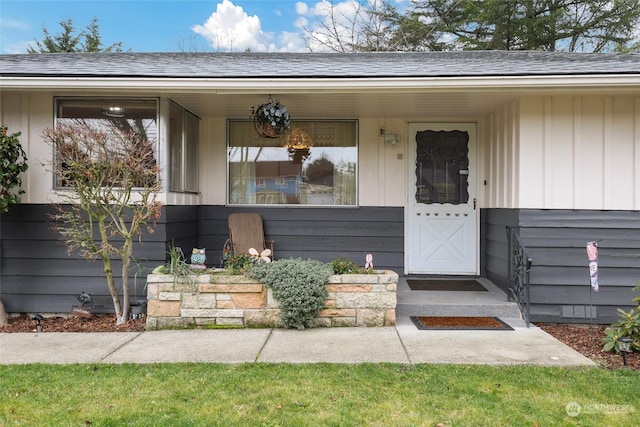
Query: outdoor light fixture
column 391, row 138
column 38, row 318
column 116, row 112
column 298, row 142
column 624, row 343
column 297, row 139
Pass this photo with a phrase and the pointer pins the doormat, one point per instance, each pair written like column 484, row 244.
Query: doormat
column 445, row 285
column 460, row 323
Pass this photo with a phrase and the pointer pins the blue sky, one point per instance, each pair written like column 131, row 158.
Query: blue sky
column 166, row 25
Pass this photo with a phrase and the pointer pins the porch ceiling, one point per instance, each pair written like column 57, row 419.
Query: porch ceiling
column 406, row 105
column 470, row 103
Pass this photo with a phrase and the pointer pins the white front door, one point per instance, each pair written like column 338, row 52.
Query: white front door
column 442, row 219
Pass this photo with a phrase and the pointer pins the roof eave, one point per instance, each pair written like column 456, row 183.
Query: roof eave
column 306, row 85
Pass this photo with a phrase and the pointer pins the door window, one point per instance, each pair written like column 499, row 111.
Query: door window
column 442, row 167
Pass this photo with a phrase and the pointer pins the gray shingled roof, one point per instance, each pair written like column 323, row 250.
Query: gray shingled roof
column 317, row 65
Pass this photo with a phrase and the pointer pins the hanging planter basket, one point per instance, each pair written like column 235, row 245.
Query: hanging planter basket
column 265, row 130
column 271, row 119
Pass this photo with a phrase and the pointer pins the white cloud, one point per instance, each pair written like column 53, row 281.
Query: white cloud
column 231, row 29
column 302, row 8
column 290, row 42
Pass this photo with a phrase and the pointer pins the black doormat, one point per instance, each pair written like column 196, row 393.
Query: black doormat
column 460, row 323
column 445, row 285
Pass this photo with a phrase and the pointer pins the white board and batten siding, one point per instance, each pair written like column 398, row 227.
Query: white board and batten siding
column 579, row 152
column 562, row 152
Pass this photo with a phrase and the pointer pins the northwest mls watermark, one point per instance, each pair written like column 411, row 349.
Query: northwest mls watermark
column 574, row 408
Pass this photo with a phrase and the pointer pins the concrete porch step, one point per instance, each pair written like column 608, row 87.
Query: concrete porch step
column 498, row 310
column 492, row 302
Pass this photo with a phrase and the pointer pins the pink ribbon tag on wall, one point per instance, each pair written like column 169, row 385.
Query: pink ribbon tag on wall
column 592, row 254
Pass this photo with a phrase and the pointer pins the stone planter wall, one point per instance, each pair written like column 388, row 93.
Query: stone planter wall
column 219, row 300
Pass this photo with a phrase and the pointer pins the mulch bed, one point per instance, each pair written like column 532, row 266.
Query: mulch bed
column 584, row 339
column 588, row 341
column 95, row 323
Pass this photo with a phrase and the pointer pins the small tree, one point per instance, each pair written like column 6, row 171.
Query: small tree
column 13, row 162
column 113, row 179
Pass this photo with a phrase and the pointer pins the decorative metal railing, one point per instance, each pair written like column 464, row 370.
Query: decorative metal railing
column 518, row 274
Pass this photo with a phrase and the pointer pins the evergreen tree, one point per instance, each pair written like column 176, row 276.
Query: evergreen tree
column 547, row 25
column 88, row 40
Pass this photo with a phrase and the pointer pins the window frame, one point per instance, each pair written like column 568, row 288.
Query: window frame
column 356, row 146
column 57, row 100
column 189, row 153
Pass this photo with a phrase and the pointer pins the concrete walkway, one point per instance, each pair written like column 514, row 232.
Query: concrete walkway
column 403, row 343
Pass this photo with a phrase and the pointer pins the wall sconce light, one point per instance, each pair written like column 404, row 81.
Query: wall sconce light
column 391, row 138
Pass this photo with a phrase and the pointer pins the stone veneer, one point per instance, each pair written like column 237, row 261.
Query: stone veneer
column 222, row 300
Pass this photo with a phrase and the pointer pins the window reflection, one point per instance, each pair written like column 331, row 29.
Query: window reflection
column 274, row 171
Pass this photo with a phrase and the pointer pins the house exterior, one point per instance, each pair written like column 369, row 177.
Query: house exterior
column 422, row 159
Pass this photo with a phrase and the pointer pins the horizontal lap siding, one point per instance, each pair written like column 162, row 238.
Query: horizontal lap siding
column 495, row 222
column 182, row 225
column 556, row 241
column 318, row 233
column 38, row 275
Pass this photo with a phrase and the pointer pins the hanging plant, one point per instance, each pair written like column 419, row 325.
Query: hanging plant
column 271, row 119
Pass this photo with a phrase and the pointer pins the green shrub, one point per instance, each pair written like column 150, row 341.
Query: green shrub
column 298, row 285
column 628, row 325
column 346, row 266
column 238, row 264
column 178, row 267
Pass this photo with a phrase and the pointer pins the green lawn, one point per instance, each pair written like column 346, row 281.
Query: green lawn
column 314, row 395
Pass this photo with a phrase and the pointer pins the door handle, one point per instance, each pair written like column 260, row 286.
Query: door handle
column 474, row 203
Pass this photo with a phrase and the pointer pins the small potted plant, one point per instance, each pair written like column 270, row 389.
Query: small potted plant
column 271, row 119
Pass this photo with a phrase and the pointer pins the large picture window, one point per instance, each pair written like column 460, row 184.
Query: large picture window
column 139, row 116
column 313, row 164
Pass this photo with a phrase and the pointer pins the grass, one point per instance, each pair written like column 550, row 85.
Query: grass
column 313, row 395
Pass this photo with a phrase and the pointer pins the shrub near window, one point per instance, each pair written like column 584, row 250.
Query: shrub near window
column 298, row 285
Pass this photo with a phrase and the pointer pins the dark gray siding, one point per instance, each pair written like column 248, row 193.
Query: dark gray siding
column 37, row 274
column 556, row 240
column 182, row 227
column 318, row 233
column 494, row 243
